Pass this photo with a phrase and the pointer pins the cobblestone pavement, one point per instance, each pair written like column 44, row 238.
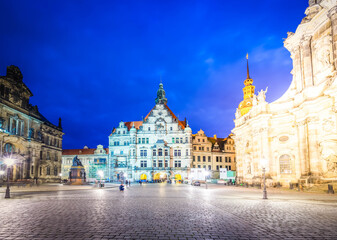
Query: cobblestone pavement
column 161, row 211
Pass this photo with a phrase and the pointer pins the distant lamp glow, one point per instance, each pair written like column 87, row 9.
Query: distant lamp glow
column 9, row 161
column 263, row 162
column 100, row 173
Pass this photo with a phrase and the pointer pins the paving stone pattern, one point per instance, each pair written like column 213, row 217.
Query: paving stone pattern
column 160, row 211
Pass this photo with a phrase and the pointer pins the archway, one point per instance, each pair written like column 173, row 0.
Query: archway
column 143, row 177
column 160, row 177
column 178, row 178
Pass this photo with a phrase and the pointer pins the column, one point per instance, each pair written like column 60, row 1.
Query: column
column 307, row 61
column 313, row 146
column 333, row 18
column 297, row 68
column 302, row 148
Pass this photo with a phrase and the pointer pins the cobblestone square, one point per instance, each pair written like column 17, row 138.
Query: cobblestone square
column 162, row 211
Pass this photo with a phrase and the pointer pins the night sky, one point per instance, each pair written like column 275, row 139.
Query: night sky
column 95, row 63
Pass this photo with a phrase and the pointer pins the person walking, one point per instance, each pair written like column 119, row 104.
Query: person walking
column 129, row 183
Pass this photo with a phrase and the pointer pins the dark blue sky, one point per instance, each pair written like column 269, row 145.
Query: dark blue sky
column 95, row 63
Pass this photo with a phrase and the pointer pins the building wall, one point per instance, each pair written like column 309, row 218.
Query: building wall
column 93, row 160
column 25, row 135
column 135, row 146
column 136, row 151
column 213, row 153
column 296, row 134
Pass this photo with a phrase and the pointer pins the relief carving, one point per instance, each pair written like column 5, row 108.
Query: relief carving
column 329, row 154
column 323, row 57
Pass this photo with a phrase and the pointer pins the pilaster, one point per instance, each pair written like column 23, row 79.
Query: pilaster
column 307, row 61
column 333, row 18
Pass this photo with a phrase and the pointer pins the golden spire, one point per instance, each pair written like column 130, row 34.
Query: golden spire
column 248, row 93
column 248, row 77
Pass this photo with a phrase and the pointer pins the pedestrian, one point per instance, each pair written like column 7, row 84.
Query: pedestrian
column 126, row 182
column 121, row 187
column 129, row 183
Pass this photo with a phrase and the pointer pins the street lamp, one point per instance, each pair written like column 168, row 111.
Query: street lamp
column 9, row 162
column 60, row 174
column 101, row 174
column 263, row 165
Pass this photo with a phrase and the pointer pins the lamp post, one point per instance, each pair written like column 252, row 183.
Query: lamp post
column 9, row 162
column 101, row 174
column 263, row 164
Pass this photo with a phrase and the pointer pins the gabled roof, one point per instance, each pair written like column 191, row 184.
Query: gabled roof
column 181, row 123
column 130, row 124
column 220, row 142
column 82, row 151
column 140, row 123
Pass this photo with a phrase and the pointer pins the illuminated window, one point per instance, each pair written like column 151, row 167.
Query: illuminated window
column 9, row 148
column 285, row 164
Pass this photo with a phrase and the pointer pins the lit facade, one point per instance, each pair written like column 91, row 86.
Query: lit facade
column 25, row 134
column 213, row 153
column 296, row 134
column 157, row 148
column 92, row 159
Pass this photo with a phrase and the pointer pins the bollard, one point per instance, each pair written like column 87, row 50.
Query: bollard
column 330, row 189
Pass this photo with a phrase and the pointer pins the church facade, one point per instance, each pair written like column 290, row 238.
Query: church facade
column 157, row 148
column 296, row 136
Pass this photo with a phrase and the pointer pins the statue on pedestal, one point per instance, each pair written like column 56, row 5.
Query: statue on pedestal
column 77, row 175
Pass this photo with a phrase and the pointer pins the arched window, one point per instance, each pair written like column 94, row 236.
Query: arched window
column 9, row 148
column 160, row 152
column 48, row 170
column 55, row 171
column 285, row 164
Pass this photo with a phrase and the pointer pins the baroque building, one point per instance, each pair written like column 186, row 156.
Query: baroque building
column 25, row 134
column 92, row 159
column 213, row 153
column 157, row 148
column 296, row 135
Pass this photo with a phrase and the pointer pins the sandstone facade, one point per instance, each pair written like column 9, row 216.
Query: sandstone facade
column 297, row 134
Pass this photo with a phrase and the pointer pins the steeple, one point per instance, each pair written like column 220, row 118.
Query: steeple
column 248, row 77
column 161, row 95
column 248, row 93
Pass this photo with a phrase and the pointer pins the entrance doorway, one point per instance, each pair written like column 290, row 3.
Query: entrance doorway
column 143, row 177
column 160, row 177
column 178, row 178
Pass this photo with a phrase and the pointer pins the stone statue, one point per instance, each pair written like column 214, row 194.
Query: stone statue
column 77, row 162
column 261, row 97
column 254, row 100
